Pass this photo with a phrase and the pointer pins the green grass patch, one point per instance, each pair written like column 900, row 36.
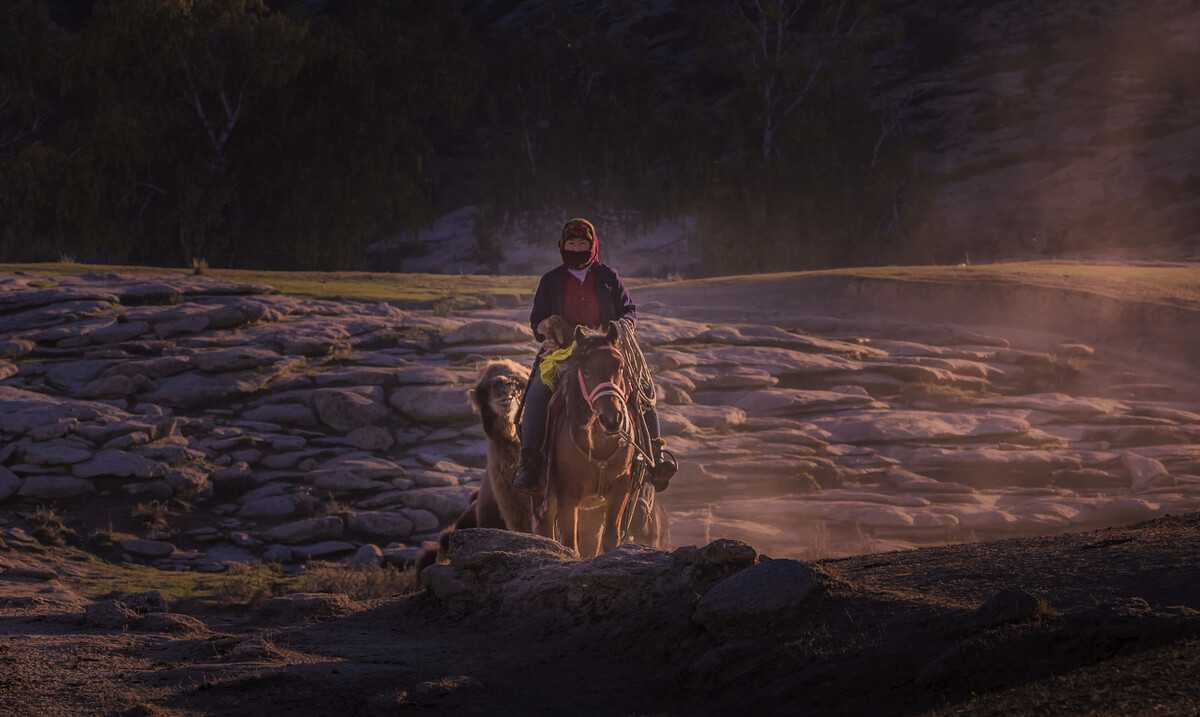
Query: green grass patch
column 241, row 584
column 1175, row 284
column 398, row 288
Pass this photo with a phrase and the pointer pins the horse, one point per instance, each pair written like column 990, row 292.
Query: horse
column 590, row 437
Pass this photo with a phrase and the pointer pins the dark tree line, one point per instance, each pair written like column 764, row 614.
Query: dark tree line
column 291, row 133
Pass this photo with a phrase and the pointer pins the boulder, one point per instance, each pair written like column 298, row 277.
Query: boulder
column 396, row 525
column 303, row 531
column 10, row 484
column 194, row 389
column 434, row 404
column 118, row 464
column 488, row 331
column 109, row 615
column 370, row 438
column 345, row 409
column 55, row 453
column 757, row 597
column 287, row 414
column 51, row 487
column 279, row 506
column 367, row 556
column 277, row 554
column 233, row 359
column 323, row 549
column 447, row 503
column 1011, row 605
column 147, row 548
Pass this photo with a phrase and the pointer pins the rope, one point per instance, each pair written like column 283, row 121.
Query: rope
column 635, row 363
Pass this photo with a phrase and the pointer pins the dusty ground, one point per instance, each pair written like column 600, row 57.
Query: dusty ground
column 173, row 430
column 893, row 634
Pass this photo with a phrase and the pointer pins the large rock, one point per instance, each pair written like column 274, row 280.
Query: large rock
column 773, row 590
column 10, row 484
column 446, row 503
column 304, row 531
column 279, row 506
column 51, row 486
column 894, row 426
column 535, row 578
column 345, row 409
column 55, row 453
column 434, row 404
column 323, row 549
column 489, row 332
column 371, row 438
column 118, row 464
column 147, row 548
column 194, row 389
column 108, row 615
column 788, row 402
column 367, row 556
column 233, row 359
column 396, row 525
column 287, row 414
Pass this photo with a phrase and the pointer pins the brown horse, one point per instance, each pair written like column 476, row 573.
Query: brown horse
column 590, row 460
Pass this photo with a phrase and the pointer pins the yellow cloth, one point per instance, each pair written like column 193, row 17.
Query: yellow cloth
column 548, row 369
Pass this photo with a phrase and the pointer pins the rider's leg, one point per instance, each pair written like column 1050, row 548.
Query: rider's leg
column 664, row 465
column 533, row 433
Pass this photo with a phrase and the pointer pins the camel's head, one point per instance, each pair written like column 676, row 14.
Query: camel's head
column 497, row 396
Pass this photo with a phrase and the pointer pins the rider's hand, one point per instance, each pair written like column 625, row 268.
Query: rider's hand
column 551, row 327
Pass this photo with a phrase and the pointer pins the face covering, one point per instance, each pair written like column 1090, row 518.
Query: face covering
column 576, row 259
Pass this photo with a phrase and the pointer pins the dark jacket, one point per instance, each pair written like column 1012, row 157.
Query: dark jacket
column 610, row 293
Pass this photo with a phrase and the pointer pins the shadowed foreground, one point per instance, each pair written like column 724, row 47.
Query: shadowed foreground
column 1089, row 623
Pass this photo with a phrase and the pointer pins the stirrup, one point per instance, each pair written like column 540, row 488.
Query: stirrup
column 529, row 477
column 664, row 469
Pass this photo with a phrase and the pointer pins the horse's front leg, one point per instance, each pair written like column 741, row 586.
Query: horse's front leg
column 568, row 523
column 614, row 508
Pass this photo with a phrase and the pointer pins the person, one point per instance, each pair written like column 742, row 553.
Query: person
column 584, row 292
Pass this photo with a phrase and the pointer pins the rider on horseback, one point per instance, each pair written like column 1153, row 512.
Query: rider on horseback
column 584, row 292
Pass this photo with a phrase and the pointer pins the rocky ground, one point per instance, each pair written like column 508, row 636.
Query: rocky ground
column 192, row 425
column 200, row 423
column 1099, row 623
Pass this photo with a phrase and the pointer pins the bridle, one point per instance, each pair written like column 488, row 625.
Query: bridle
column 604, row 388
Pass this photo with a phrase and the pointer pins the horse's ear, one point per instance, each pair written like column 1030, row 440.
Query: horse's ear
column 578, row 333
column 613, row 334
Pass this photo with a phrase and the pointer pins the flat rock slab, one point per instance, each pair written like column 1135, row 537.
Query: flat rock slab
column 434, row 404
column 118, row 464
column 147, row 548
column 55, row 486
column 489, row 332
column 896, row 426
column 303, row 531
column 788, row 402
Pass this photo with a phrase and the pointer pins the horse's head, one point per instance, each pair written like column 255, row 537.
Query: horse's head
column 599, row 370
